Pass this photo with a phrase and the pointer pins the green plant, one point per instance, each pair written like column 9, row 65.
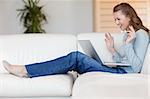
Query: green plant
column 32, row 16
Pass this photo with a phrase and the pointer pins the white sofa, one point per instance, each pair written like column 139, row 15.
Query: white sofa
column 31, row 48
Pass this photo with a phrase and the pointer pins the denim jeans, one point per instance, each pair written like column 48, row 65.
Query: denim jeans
column 75, row 61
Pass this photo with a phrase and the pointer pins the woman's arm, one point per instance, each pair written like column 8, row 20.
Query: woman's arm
column 135, row 51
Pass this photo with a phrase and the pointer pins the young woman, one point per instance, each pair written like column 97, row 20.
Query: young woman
column 132, row 51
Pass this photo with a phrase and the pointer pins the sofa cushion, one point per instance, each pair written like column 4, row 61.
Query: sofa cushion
column 31, row 48
column 98, row 84
column 54, row 85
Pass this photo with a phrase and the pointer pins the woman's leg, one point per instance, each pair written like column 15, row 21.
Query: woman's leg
column 57, row 66
column 76, row 61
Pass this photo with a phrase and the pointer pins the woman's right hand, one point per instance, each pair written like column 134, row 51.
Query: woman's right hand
column 109, row 42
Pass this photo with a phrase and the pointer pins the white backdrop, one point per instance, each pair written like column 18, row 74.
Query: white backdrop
column 64, row 16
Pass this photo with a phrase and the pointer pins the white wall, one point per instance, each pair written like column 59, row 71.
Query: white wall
column 64, row 16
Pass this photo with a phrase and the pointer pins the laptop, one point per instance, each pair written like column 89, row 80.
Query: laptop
column 88, row 49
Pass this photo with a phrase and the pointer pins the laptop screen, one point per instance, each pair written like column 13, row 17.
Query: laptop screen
column 88, row 48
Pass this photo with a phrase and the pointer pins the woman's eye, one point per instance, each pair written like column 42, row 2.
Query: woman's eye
column 118, row 19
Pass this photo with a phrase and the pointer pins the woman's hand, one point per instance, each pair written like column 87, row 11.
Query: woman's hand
column 109, row 42
column 131, row 35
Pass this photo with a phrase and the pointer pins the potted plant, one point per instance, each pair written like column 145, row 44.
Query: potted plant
column 32, row 16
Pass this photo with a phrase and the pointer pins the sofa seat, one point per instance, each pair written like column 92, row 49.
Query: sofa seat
column 98, row 84
column 53, row 85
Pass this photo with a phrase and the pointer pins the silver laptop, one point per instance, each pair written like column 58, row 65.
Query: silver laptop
column 88, row 48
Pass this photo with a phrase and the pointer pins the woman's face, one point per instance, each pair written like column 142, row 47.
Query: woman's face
column 121, row 20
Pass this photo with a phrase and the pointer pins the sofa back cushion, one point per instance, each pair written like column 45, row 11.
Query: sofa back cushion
column 146, row 64
column 32, row 48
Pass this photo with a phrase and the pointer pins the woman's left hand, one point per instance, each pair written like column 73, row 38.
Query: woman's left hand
column 131, row 35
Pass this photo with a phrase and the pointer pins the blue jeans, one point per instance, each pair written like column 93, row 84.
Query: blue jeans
column 75, row 61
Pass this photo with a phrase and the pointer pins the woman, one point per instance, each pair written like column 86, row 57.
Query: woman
column 132, row 51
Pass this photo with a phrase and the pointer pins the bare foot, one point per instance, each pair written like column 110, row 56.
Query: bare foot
column 14, row 69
